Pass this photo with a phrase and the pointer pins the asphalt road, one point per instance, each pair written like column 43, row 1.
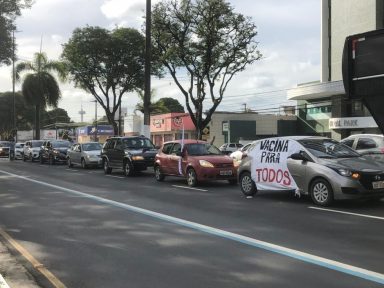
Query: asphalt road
column 93, row 230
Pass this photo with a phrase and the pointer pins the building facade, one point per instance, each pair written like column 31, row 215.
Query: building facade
column 226, row 127
column 322, row 104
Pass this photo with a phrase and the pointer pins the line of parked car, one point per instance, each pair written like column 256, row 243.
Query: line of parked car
column 324, row 169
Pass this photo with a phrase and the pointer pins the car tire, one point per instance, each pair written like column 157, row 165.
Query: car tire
column 69, row 162
column 191, row 177
column 128, row 168
column 158, row 175
column 83, row 164
column 321, row 192
column 31, row 158
column 247, row 185
column 107, row 169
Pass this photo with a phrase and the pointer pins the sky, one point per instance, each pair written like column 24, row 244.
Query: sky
column 288, row 36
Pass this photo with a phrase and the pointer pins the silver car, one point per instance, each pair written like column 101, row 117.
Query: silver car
column 326, row 170
column 84, row 154
column 19, row 150
column 371, row 145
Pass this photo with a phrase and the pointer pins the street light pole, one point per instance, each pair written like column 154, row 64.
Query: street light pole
column 13, row 84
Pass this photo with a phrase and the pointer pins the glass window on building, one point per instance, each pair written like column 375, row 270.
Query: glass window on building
column 168, row 137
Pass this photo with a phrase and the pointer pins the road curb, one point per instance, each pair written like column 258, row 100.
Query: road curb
column 12, row 273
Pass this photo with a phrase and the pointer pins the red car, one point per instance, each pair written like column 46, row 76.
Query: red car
column 196, row 160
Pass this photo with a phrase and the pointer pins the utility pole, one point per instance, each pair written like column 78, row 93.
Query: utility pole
column 95, row 135
column 13, row 85
column 147, row 75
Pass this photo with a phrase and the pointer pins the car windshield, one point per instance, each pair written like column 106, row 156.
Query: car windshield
column 137, row 143
column 91, row 146
column 198, row 149
column 5, row 144
column 37, row 143
column 328, row 148
column 61, row 144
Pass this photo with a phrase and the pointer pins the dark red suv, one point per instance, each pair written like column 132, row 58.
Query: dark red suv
column 196, row 160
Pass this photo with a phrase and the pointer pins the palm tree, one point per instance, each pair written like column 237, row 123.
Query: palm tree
column 39, row 87
column 154, row 107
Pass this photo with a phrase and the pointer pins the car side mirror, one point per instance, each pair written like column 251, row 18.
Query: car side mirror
column 298, row 156
column 157, row 147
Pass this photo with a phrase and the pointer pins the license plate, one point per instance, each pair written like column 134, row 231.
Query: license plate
column 378, row 185
column 226, row 172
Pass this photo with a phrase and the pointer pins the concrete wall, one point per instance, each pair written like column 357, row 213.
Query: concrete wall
column 348, row 17
column 265, row 124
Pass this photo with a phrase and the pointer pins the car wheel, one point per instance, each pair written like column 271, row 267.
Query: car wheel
column 191, row 177
column 321, row 192
column 128, row 168
column 51, row 161
column 247, row 185
column 69, row 162
column 107, row 169
column 83, row 164
column 31, row 158
column 158, row 175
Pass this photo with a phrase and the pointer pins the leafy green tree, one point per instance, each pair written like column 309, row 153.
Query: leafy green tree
column 57, row 115
column 9, row 10
column 171, row 104
column 24, row 114
column 209, row 42
column 40, row 87
column 106, row 64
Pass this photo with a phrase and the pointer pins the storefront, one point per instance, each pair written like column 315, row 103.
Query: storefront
column 88, row 133
column 171, row 126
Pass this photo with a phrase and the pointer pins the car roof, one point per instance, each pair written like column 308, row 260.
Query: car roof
column 365, row 135
column 298, row 138
column 187, row 141
column 127, row 137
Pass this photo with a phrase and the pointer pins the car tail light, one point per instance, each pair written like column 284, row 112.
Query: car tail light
column 382, row 150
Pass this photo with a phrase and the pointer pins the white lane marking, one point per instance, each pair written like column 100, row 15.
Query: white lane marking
column 302, row 256
column 115, row 176
column 72, row 170
column 348, row 213
column 3, row 284
column 190, row 188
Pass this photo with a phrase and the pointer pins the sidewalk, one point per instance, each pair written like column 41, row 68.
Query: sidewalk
column 14, row 274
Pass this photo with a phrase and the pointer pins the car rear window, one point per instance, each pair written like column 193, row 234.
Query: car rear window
column 198, row 149
column 61, row 144
column 37, row 143
column 365, row 143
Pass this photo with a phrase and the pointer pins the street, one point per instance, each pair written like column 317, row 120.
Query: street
column 93, row 230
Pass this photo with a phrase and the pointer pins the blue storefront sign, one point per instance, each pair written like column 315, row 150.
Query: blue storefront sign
column 90, row 130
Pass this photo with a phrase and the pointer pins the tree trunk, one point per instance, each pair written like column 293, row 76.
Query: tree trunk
column 37, row 122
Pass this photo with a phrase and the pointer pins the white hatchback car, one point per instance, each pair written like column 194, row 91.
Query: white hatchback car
column 31, row 150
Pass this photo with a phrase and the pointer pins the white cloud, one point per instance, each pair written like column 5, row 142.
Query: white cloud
column 115, row 9
column 289, row 39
